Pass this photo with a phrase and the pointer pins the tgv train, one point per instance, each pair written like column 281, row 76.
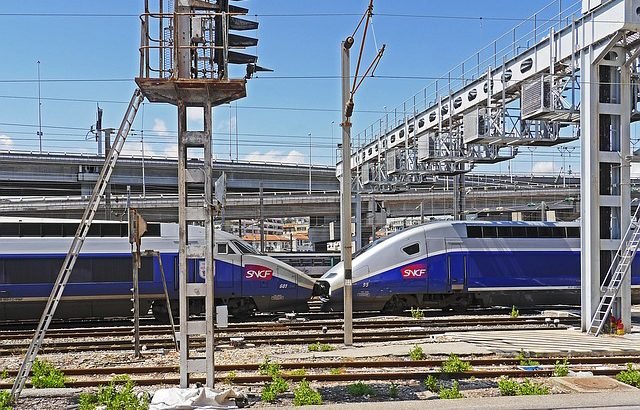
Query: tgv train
column 32, row 252
column 456, row 264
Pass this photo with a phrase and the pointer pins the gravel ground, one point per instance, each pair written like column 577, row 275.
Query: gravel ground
column 332, row 392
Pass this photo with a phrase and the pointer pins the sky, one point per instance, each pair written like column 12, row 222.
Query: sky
column 88, row 55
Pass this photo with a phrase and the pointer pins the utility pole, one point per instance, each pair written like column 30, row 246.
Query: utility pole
column 345, row 199
column 39, row 111
column 348, row 93
column 310, row 145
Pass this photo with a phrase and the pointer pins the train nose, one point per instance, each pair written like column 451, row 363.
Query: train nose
column 321, row 288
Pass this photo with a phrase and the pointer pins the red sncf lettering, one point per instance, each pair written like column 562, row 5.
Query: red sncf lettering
column 417, row 271
column 256, row 272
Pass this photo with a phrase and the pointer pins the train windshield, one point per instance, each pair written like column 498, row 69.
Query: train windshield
column 245, row 248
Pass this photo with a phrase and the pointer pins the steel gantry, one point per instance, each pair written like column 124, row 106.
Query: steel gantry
column 573, row 75
column 184, row 59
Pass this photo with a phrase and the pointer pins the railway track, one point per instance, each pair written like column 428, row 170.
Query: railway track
column 351, row 371
column 242, row 329
column 269, row 317
column 67, row 340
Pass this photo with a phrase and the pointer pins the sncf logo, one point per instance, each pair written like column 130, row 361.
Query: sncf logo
column 257, row 272
column 415, row 271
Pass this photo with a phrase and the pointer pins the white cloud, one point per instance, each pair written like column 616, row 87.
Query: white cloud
column 293, row 157
column 6, row 143
column 160, row 127
column 544, row 168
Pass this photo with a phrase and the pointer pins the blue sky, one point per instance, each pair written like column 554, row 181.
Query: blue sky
column 275, row 119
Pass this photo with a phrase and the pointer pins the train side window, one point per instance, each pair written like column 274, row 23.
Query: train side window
column 9, row 229
column 489, row 232
column 153, row 230
column 474, row 231
column 110, row 230
column 573, row 232
column 518, row 232
column 532, row 231
column 225, row 249
column 558, row 232
column 504, row 232
column 52, row 229
column 411, row 249
column 544, row 232
column 30, row 230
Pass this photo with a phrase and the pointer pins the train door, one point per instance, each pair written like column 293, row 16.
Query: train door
column 457, row 265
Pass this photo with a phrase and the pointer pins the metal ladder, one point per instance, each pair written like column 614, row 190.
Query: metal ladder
column 620, row 265
column 76, row 245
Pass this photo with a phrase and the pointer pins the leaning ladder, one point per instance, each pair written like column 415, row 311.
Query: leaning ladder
column 76, row 244
column 616, row 274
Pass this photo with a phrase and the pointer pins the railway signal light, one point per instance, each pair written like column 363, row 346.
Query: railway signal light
column 227, row 42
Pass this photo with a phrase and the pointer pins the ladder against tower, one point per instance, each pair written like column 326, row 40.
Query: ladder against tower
column 76, row 244
column 620, row 268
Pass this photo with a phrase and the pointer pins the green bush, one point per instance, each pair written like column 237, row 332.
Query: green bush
column 4, row 374
column 44, row 375
column 320, row 347
column 360, row 389
column 515, row 312
column 454, row 364
column 5, row 400
column 525, row 359
column 561, row 368
column 304, row 395
column 417, row 313
column 268, row 368
column 416, row 353
column 629, row 376
column 271, row 390
column 431, row 383
column 337, row 370
column 509, row 387
column 451, row 393
column 117, row 395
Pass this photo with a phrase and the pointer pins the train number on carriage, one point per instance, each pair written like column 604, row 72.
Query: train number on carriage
column 257, row 272
column 415, row 271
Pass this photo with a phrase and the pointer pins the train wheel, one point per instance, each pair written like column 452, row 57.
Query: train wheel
column 241, row 308
column 398, row 304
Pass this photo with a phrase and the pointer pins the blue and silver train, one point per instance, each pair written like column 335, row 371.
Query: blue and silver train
column 456, row 264
column 32, row 252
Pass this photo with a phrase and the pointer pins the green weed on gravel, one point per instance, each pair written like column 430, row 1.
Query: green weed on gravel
column 118, row 394
column 45, row 375
column 360, row 389
column 5, row 400
column 509, row 387
column 305, row 395
column 454, row 364
column 629, row 376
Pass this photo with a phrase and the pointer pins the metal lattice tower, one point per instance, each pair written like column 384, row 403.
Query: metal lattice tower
column 184, row 60
column 573, row 66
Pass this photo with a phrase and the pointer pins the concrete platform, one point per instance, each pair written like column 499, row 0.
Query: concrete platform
column 591, row 384
column 619, row 400
column 543, row 341
column 394, row 349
